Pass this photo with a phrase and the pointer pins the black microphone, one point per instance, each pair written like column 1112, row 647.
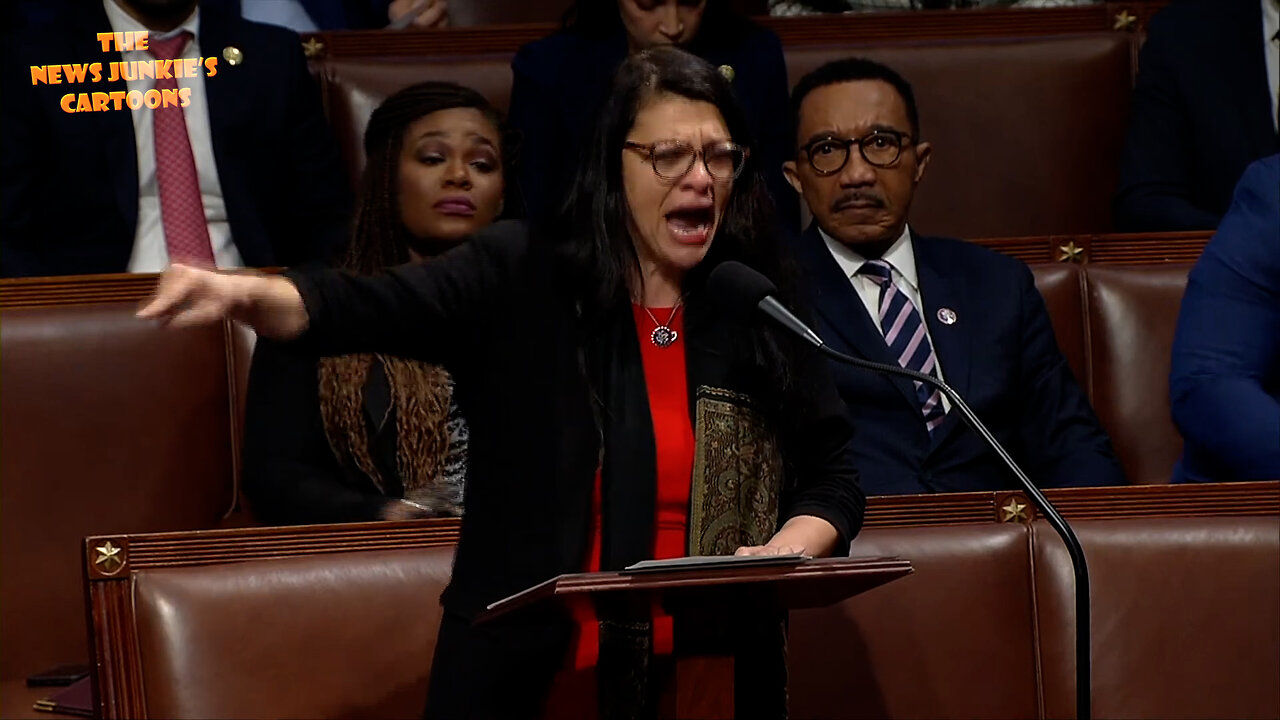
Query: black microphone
column 741, row 292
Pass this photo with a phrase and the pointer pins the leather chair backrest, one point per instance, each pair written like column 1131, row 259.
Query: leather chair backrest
column 109, row 426
column 1184, row 625
column 1184, row 617
column 1132, row 315
column 315, row 636
column 1026, row 132
column 242, row 341
column 947, row 641
column 1061, row 286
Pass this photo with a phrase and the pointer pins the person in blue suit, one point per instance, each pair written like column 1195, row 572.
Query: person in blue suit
column 561, row 81
column 1204, row 106
column 1225, row 380
column 963, row 313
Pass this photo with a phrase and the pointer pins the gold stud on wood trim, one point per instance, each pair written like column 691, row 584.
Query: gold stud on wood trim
column 110, row 558
column 313, row 48
column 1070, row 252
column 1014, row 510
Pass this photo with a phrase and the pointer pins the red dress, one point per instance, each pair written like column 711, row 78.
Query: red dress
column 666, row 383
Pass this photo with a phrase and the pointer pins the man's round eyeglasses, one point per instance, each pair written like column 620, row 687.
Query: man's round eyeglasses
column 672, row 159
column 881, row 148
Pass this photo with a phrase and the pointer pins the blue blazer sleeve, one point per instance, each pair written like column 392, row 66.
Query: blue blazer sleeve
column 1064, row 442
column 1225, row 380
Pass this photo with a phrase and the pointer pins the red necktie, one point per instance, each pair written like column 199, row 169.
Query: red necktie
column 186, row 236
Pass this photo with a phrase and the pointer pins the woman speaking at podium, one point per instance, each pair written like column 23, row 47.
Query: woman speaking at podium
column 615, row 416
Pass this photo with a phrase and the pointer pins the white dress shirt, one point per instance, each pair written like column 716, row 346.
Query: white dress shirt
column 902, row 257
column 1271, row 46
column 149, row 251
column 284, row 13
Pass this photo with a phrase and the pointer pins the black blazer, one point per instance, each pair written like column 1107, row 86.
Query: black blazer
column 494, row 312
column 69, row 182
column 561, row 82
column 1201, row 112
column 1000, row 355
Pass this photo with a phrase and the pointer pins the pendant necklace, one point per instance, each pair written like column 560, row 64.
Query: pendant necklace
column 663, row 335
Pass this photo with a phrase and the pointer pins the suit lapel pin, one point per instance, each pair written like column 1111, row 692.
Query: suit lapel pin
column 232, row 55
column 947, row 316
column 726, row 71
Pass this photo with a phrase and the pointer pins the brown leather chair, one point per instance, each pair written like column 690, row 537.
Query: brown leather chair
column 108, row 426
column 1026, row 132
column 321, row 636
column 1185, row 617
column 1132, row 314
column 1061, row 285
column 948, row 641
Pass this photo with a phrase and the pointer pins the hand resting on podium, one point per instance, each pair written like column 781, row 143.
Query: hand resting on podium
column 801, row 535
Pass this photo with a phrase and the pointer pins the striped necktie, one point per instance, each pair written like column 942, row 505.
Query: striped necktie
column 905, row 335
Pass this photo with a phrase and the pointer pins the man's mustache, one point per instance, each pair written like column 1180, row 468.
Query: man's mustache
column 858, row 196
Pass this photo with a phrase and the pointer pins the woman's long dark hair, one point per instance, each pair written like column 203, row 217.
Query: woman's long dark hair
column 379, row 238
column 592, row 236
column 421, row 393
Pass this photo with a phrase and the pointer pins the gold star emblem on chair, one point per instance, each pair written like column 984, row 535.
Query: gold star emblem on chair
column 1014, row 510
column 1070, row 252
column 313, row 48
column 109, row 559
column 1124, row 21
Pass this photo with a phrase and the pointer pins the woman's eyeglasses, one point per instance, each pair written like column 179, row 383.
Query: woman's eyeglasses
column 672, row 159
column 882, row 148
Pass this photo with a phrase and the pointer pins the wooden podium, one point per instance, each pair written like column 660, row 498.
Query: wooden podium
column 708, row 587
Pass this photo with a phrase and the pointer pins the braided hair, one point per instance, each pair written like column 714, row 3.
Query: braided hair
column 421, row 394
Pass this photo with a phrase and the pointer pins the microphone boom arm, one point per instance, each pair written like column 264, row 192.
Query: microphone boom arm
column 1074, row 549
column 743, row 291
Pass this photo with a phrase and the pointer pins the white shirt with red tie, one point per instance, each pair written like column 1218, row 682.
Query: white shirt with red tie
column 149, row 251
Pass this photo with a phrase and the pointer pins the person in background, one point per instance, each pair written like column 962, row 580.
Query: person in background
column 1225, row 381
column 371, row 436
column 944, row 307
column 813, row 7
column 247, row 174
column 312, row 15
column 560, row 83
column 617, row 414
column 1204, row 107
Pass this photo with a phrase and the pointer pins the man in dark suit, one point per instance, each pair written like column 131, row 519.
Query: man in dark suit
column 246, row 174
column 959, row 311
column 1203, row 108
column 1225, row 381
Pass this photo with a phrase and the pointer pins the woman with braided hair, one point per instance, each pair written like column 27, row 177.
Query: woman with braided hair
column 372, row 436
